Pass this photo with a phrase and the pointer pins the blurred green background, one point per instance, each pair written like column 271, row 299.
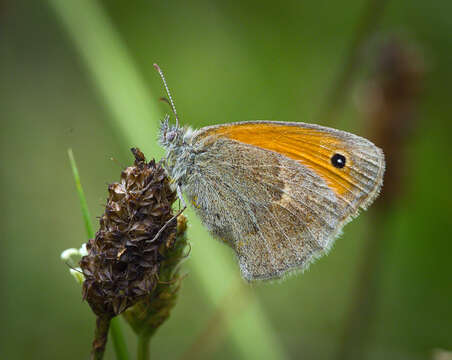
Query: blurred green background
column 78, row 74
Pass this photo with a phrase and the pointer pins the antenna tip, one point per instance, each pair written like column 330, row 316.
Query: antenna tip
column 156, row 67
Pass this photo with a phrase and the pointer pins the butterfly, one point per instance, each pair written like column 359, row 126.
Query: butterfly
column 278, row 193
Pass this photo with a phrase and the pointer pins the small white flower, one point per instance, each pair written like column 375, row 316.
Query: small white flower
column 77, row 274
column 83, row 251
column 72, row 257
column 68, row 254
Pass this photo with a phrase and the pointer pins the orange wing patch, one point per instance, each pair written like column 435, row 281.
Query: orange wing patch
column 312, row 148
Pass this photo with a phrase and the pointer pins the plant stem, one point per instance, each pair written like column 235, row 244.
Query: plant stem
column 371, row 15
column 358, row 323
column 117, row 337
column 398, row 83
column 100, row 337
column 143, row 347
column 81, row 196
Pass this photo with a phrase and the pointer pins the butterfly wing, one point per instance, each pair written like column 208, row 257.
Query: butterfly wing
column 272, row 192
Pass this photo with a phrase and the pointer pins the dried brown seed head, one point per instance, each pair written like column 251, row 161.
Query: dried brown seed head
column 123, row 261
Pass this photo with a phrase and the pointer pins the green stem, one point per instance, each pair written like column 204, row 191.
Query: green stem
column 117, row 337
column 143, row 347
column 81, row 196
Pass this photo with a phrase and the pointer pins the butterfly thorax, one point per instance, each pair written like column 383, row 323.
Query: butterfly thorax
column 179, row 151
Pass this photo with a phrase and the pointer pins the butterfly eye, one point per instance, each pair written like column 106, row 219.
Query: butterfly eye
column 338, row 161
column 170, row 136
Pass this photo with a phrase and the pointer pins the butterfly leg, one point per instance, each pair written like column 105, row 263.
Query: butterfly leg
column 179, row 194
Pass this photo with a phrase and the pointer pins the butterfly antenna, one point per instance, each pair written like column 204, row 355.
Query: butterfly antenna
column 171, row 102
column 73, row 268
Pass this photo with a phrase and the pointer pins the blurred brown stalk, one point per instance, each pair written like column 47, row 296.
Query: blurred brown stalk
column 389, row 105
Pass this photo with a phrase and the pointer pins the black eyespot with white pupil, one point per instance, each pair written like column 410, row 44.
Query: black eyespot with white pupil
column 338, row 161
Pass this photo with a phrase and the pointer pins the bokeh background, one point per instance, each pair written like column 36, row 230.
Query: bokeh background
column 78, row 74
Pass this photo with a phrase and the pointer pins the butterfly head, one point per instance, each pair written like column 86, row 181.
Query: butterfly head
column 176, row 140
column 170, row 135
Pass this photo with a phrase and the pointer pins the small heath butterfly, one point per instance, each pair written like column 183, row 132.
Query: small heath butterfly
column 278, row 193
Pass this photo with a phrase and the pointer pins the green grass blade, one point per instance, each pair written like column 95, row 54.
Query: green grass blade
column 81, row 197
column 114, row 75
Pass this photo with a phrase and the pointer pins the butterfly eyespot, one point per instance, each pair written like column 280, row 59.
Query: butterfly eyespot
column 338, row 161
